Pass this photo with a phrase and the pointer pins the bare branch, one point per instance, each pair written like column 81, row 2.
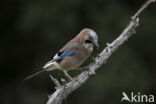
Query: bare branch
column 144, row 6
column 62, row 92
column 56, row 82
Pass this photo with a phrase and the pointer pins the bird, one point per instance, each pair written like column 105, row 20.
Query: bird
column 73, row 54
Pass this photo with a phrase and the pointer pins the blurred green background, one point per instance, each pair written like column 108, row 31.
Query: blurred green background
column 31, row 31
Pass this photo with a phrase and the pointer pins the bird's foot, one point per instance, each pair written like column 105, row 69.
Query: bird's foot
column 85, row 68
column 67, row 75
column 75, row 78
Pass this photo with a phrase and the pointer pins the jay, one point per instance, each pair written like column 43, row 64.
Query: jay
column 73, row 54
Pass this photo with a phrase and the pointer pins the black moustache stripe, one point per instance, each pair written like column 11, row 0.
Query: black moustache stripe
column 88, row 41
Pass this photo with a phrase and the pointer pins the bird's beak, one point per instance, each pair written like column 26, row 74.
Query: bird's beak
column 96, row 45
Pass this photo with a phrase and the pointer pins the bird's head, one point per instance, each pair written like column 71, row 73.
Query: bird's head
column 89, row 37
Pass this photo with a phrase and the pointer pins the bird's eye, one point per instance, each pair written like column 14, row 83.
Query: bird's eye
column 88, row 41
column 90, row 36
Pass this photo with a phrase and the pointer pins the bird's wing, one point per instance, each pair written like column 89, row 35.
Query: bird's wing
column 67, row 53
column 68, row 50
column 70, row 46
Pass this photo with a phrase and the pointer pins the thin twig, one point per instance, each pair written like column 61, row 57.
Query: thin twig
column 144, row 6
column 56, row 82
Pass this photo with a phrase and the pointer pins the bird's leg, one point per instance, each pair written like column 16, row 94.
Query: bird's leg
column 67, row 75
column 83, row 68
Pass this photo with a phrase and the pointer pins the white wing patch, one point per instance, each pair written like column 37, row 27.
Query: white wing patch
column 52, row 64
column 56, row 57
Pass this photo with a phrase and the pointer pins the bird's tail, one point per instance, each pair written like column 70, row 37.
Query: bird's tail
column 34, row 74
column 47, row 67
